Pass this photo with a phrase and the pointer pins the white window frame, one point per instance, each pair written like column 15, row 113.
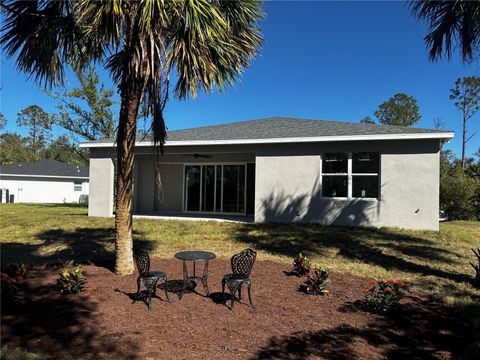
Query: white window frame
column 349, row 174
column 221, row 212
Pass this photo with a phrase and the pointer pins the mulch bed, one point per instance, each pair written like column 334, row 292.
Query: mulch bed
column 102, row 322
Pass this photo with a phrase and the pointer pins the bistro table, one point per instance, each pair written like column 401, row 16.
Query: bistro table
column 195, row 256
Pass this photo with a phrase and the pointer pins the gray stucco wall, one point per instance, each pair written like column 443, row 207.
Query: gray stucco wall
column 100, row 202
column 169, row 198
column 288, row 188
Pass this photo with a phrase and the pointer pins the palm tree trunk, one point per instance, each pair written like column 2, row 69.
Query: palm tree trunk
column 131, row 94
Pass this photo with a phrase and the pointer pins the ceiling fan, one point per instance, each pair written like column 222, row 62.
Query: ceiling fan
column 197, row 155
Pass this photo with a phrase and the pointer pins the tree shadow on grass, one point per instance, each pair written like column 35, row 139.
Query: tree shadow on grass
column 42, row 320
column 80, row 246
column 420, row 330
column 365, row 245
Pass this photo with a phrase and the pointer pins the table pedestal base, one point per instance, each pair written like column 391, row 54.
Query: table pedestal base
column 195, row 278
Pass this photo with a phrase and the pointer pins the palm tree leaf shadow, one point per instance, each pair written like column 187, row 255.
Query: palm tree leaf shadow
column 375, row 246
column 79, row 246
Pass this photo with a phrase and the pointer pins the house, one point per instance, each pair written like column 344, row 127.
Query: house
column 284, row 170
column 45, row 181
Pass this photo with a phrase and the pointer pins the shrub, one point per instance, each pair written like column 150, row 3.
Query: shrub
column 72, row 282
column 301, row 265
column 17, row 353
column 17, row 269
column 458, row 194
column 317, row 281
column 383, row 296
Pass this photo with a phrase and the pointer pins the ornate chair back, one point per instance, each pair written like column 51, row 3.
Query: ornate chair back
column 242, row 263
column 143, row 262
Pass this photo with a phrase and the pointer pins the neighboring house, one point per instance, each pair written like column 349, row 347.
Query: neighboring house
column 284, row 170
column 45, row 181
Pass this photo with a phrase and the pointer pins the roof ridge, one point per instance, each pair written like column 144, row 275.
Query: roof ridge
column 308, row 119
column 231, row 123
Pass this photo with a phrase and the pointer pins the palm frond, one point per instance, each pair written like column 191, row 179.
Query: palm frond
column 451, row 23
column 42, row 35
column 212, row 42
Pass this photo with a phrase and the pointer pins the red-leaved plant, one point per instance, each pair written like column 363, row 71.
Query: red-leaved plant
column 10, row 286
column 301, row 265
column 7, row 279
column 383, row 295
column 317, row 281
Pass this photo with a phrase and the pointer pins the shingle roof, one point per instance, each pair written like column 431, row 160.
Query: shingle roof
column 283, row 127
column 48, row 167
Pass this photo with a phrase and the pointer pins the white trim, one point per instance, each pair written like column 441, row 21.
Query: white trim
column 47, row 176
column 349, row 177
column 221, row 188
column 412, row 136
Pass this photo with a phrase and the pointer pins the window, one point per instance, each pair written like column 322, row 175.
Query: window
column 335, row 175
column 365, row 169
column 350, row 175
column 77, row 186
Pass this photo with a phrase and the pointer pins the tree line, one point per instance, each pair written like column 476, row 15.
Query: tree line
column 403, row 110
column 84, row 113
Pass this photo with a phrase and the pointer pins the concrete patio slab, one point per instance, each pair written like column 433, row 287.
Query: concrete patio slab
column 195, row 217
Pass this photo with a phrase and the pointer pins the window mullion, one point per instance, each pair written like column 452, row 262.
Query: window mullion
column 349, row 171
column 221, row 192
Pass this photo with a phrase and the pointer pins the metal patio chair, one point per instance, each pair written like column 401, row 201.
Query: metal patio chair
column 242, row 264
column 149, row 278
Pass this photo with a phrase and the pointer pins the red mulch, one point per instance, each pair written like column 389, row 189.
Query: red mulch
column 102, row 322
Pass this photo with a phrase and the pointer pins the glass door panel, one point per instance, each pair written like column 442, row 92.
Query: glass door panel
column 218, row 189
column 192, row 188
column 208, row 188
column 234, row 188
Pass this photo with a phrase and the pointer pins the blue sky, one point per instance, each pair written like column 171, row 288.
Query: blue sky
column 321, row 60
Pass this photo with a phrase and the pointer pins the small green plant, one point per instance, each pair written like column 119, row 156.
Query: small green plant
column 17, row 269
column 301, row 265
column 384, row 295
column 72, row 282
column 317, row 281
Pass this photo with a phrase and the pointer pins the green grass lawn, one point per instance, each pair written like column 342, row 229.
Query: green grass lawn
column 435, row 263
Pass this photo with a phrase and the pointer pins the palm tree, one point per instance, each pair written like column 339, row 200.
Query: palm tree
column 207, row 43
column 450, row 22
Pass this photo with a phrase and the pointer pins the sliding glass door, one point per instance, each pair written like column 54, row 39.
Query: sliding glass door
column 215, row 188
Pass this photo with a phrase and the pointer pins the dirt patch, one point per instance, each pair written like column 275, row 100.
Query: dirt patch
column 102, row 322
